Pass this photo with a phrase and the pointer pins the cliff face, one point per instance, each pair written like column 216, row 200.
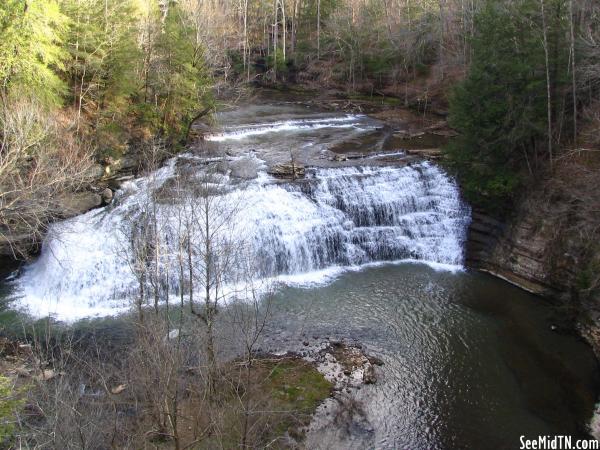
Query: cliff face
column 548, row 246
column 521, row 251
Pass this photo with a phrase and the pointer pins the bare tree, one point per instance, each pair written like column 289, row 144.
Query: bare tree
column 40, row 162
column 573, row 75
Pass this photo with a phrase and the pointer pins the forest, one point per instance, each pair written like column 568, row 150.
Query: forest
column 87, row 84
column 105, row 77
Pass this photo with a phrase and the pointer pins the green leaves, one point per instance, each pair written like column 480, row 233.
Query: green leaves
column 177, row 77
column 31, row 51
column 500, row 108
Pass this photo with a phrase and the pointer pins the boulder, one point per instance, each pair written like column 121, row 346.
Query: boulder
column 107, row 196
column 245, row 168
column 96, row 171
column 290, row 171
column 369, row 376
column 71, row 205
column 126, row 162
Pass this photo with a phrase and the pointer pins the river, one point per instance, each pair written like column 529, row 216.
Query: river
column 367, row 247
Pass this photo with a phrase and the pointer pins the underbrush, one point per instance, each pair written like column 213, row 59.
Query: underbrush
column 152, row 393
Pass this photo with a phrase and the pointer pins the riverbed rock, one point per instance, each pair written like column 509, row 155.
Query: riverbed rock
column 428, row 153
column 369, row 374
column 107, row 196
column 245, row 168
column 71, row 205
column 289, row 171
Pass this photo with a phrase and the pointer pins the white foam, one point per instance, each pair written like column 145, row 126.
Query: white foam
column 300, row 234
column 238, row 133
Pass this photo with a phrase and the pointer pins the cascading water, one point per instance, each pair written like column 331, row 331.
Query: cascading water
column 457, row 348
column 297, row 125
column 357, row 215
column 299, row 231
column 340, row 216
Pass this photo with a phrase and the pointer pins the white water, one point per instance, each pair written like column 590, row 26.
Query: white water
column 299, row 233
column 244, row 131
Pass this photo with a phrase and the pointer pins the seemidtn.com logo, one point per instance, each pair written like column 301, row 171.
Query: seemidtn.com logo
column 559, row 442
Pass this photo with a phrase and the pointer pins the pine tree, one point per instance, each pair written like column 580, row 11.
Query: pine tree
column 179, row 79
column 500, row 108
column 31, row 51
column 103, row 57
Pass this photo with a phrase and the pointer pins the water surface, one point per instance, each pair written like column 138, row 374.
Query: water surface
column 470, row 360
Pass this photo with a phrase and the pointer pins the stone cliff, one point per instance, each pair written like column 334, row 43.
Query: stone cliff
column 549, row 245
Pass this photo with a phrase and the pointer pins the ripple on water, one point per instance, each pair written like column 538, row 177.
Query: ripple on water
column 456, row 348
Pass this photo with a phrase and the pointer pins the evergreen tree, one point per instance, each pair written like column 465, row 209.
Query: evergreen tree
column 179, row 80
column 31, row 50
column 500, row 108
column 103, row 68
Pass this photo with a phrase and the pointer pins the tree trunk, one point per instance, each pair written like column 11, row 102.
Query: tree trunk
column 294, row 26
column 275, row 34
column 283, row 27
column 573, row 74
column 441, row 37
column 318, row 29
column 548, row 86
column 197, row 117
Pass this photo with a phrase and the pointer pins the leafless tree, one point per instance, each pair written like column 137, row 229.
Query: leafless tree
column 40, row 162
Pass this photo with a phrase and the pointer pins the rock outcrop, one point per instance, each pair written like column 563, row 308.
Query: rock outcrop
column 20, row 244
column 78, row 203
column 289, row 171
column 541, row 249
column 244, row 168
column 516, row 250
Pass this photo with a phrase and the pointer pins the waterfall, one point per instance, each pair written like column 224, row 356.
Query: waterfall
column 336, row 218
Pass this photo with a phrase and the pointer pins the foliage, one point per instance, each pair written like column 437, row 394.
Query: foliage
column 31, row 49
column 10, row 401
column 102, row 44
column 500, row 108
column 277, row 59
column 179, row 80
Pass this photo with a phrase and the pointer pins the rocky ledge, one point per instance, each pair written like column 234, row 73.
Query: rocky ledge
column 17, row 244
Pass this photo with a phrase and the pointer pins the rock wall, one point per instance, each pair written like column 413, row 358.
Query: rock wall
column 536, row 249
column 517, row 250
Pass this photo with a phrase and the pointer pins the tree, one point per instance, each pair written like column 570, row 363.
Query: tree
column 40, row 161
column 31, row 50
column 501, row 108
column 548, row 83
column 104, row 57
